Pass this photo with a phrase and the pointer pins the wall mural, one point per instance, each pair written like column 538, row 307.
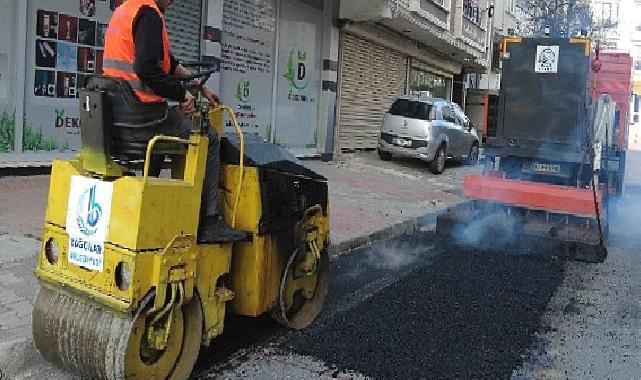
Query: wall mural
column 247, row 49
column 67, row 39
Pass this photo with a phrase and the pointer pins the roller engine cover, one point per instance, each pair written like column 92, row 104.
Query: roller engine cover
column 288, row 186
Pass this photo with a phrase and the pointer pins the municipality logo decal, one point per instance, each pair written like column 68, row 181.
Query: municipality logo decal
column 547, row 59
column 243, row 91
column 296, row 74
column 88, row 212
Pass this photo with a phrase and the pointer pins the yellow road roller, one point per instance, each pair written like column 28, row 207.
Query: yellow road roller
column 127, row 292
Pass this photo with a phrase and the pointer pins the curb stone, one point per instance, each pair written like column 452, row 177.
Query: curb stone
column 421, row 223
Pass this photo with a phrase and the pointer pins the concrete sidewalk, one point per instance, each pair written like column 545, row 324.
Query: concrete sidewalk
column 32, row 159
column 369, row 200
column 372, row 199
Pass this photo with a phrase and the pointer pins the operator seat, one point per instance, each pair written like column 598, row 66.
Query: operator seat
column 114, row 122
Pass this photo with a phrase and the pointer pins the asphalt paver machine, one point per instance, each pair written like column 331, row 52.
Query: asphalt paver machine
column 553, row 164
column 127, row 292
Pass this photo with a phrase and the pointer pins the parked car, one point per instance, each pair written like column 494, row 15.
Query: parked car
column 430, row 129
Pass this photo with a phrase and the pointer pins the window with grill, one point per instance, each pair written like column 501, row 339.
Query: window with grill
column 471, row 11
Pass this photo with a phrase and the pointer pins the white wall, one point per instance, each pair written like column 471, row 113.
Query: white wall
column 504, row 16
column 365, row 10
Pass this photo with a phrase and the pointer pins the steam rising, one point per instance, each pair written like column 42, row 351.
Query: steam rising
column 625, row 217
column 480, row 232
column 394, row 256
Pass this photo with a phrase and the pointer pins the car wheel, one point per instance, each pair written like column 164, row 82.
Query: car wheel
column 438, row 164
column 473, row 156
column 385, row 156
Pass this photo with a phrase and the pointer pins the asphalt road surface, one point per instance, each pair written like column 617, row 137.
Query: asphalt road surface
column 409, row 308
column 405, row 309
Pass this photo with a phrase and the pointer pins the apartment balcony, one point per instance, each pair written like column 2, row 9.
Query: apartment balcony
column 439, row 24
column 472, row 33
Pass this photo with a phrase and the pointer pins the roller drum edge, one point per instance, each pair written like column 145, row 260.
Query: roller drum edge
column 79, row 336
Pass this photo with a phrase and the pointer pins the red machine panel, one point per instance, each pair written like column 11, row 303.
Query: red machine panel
column 615, row 79
column 534, row 195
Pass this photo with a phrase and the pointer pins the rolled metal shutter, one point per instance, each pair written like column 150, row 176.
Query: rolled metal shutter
column 372, row 76
column 184, row 27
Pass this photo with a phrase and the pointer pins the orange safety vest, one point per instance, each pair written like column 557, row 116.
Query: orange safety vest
column 120, row 51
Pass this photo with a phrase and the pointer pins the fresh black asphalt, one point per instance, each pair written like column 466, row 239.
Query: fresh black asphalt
column 410, row 308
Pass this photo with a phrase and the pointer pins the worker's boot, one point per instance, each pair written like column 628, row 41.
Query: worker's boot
column 215, row 230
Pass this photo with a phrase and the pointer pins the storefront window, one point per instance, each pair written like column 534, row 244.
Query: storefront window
column 430, row 84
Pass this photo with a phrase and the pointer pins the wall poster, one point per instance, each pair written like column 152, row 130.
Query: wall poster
column 247, row 48
column 7, row 74
column 299, row 75
column 65, row 39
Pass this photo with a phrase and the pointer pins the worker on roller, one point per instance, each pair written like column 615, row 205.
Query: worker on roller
column 137, row 49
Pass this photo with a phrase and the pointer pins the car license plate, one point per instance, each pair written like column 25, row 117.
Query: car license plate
column 546, row 168
column 402, row 142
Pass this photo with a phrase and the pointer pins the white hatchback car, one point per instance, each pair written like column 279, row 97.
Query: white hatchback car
column 431, row 129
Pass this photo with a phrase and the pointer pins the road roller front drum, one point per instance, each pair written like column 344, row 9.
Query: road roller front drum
column 87, row 339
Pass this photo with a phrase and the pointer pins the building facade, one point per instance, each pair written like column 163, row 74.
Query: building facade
column 630, row 42
column 314, row 76
column 606, row 19
column 394, row 47
column 272, row 58
column 635, row 106
column 482, row 100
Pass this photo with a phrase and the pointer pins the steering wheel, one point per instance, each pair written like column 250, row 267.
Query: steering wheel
column 196, row 81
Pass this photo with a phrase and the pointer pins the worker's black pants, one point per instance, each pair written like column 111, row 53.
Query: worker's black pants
column 179, row 126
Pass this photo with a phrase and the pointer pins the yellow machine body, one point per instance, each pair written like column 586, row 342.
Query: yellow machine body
column 255, row 273
column 152, row 231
